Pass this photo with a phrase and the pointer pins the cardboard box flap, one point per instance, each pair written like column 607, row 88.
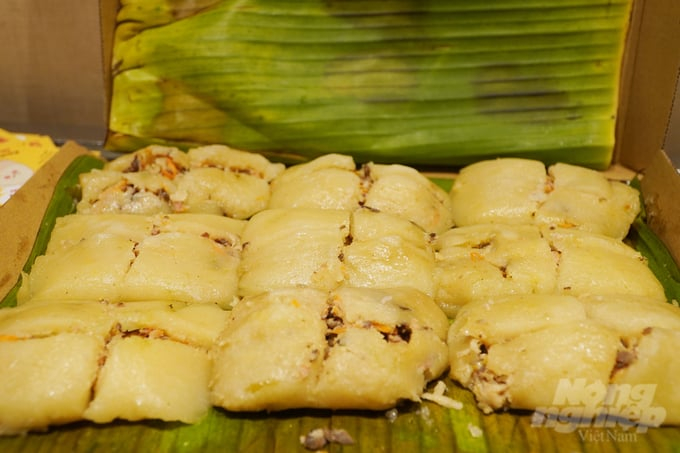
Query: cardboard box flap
column 649, row 77
column 672, row 143
column 59, row 79
column 52, row 79
column 23, row 214
column 661, row 186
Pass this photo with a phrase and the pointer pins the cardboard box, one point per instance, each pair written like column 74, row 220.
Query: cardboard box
column 56, row 81
column 22, row 215
column 56, row 77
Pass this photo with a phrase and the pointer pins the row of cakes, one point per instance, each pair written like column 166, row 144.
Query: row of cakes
column 324, row 284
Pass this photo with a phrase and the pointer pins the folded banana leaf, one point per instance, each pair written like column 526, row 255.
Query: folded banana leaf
column 414, row 428
column 439, row 83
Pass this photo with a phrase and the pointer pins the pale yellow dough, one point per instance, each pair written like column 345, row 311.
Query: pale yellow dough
column 388, row 251
column 326, row 248
column 328, row 182
column 484, row 260
column 402, row 190
column 596, row 264
column 487, row 260
column 522, row 352
column 353, row 348
column 117, row 257
column 46, row 380
column 334, row 181
column 212, row 179
column 108, row 191
column 523, row 191
column 65, row 361
column 147, row 378
column 135, row 183
column 504, row 190
column 214, row 277
column 293, row 247
column 155, row 159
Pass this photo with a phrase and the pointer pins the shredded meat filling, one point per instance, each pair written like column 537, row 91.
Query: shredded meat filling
column 623, row 359
column 482, row 244
column 223, row 241
column 491, row 390
column 146, row 332
column 401, row 332
column 335, row 323
column 626, row 356
column 135, row 165
column 163, row 195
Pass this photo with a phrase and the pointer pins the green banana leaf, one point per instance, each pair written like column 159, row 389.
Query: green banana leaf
column 653, row 249
column 63, row 202
column 425, row 427
column 422, row 83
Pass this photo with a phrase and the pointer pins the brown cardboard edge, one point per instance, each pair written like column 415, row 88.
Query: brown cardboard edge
column 650, row 68
column 660, row 185
column 626, row 76
column 21, row 216
column 108, row 11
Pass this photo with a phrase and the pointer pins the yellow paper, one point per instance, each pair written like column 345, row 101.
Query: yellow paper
column 21, row 155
